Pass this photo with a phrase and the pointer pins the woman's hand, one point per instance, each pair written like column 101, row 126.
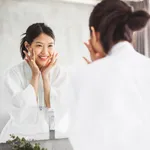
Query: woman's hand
column 87, row 61
column 30, row 59
column 45, row 71
column 95, row 53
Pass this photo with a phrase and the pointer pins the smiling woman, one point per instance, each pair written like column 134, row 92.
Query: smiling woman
column 34, row 85
column 40, row 38
column 43, row 47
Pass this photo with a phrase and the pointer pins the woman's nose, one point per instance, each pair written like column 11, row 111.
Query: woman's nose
column 45, row 51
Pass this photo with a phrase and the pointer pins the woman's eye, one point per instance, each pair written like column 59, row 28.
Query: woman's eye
column 39, row 45
column 50, row 46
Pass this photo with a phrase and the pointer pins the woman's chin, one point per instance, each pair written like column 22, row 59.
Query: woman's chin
column 40, row 65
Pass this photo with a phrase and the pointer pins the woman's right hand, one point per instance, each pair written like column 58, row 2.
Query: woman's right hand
column 30, row 59
column 94, row 56
column 97, row 52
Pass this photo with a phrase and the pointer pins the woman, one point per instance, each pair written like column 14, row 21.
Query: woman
column 113, row 99
column 34, row 85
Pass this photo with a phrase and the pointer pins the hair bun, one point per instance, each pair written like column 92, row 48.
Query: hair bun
column 138, row 20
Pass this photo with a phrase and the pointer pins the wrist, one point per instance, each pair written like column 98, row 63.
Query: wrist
column 46, row 82
column 35, row 76
column 46, row 76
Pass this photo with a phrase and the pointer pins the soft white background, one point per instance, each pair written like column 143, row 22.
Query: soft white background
column 68, row 20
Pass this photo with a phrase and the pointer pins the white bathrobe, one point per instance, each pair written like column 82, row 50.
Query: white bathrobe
column 27, row 117
column 112, row 108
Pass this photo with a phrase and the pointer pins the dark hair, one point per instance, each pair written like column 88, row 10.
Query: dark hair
column 115, row 21
column 32, row 32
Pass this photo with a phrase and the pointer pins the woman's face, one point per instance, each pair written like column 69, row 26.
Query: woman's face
column 43, row 46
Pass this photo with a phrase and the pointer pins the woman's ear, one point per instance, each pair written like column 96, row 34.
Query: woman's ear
column 97, row 36
column 101, row 49
column 27, row 45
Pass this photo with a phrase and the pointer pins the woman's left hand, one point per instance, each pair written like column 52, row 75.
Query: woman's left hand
column 45, row 71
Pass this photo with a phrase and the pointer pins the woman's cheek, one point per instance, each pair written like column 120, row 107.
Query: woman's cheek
column 37, row 51
column 51, row 52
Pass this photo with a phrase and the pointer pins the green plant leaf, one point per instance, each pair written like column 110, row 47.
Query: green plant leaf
column 22, row 144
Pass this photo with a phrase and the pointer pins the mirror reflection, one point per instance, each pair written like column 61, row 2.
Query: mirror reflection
column 34, row 86
column 40, row 41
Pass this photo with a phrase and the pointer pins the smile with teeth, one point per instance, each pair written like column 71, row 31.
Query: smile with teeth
column 43, row 57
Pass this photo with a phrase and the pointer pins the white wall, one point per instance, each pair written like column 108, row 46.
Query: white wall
column 69, row 22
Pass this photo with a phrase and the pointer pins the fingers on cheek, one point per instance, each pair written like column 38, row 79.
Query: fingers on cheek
column 55, row 61
column 51, row 53
column 26, row 60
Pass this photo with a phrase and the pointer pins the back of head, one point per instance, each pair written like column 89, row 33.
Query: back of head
column 32, row 32
column 116, row 21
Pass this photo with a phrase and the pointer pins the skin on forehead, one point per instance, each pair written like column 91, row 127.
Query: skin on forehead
column 44, row 39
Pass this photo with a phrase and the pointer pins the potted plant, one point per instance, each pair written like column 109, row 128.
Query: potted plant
column 17, row 143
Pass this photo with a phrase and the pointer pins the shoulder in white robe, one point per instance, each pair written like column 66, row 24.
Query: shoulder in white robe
column 112, row 110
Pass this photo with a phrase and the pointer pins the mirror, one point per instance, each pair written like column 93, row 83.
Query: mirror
column 69, row 22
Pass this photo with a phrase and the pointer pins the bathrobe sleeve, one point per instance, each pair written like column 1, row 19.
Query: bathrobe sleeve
column 23, row 99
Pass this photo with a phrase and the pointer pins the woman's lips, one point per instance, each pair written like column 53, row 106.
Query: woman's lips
column 43, row 58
